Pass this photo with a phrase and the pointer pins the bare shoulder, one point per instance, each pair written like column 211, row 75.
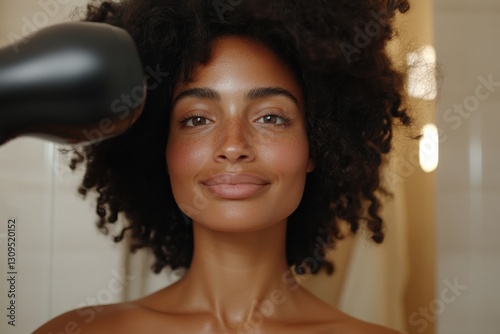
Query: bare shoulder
column 361, row 327
column 350, row 325
column 121, row 318
column 330, row 320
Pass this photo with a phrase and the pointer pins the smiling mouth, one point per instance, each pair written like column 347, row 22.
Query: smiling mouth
column 235, row 186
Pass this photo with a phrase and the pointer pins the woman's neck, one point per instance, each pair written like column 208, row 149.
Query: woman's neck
column 233, row 276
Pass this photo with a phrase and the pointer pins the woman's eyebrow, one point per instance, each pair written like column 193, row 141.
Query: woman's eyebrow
column 201, row 93
column 263, row 92
column 256, row 93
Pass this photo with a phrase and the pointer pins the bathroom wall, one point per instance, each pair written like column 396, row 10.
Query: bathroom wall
column 61, row 260
column 467, row 35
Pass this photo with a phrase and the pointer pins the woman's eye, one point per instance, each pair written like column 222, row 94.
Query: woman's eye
column 273, row 119
column 195, row 121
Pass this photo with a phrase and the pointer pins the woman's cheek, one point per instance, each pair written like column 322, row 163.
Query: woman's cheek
column 288, row 156
column 180, row 161
column 184, row 155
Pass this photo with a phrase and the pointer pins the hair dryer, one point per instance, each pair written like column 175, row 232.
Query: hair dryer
column 71, row 83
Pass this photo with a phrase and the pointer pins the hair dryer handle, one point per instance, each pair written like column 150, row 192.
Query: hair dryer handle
column 71, row 83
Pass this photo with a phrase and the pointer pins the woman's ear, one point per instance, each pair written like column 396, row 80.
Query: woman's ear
column 310, row 164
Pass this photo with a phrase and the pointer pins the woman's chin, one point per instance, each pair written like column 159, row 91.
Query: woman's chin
column 236, row 224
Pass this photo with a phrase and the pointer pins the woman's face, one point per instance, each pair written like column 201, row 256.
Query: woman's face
column 237, row 152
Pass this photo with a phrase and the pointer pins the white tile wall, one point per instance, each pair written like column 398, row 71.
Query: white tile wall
column 468, row 179
column 25, row 196
column 62, row 261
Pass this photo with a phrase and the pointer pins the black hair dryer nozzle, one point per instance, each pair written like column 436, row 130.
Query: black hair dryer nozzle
column 66, row 83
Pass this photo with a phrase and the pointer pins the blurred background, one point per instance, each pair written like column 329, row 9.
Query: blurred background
column 439, row 268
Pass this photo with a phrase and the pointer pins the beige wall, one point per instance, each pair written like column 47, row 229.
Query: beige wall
column 404, row 283
column 17, row 18
column 416, row 30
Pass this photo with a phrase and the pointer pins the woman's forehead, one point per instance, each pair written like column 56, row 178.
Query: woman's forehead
column 241, row 64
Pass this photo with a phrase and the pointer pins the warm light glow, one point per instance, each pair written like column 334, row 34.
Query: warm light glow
column 422, row 73
column 429, row 148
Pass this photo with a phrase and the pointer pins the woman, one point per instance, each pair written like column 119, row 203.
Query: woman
column 267, row 130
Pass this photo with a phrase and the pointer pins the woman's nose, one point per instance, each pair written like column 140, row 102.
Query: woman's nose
column 234, row 142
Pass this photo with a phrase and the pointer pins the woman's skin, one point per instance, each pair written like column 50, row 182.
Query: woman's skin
column 237, row 157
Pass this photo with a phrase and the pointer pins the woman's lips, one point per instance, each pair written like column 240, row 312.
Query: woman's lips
column 235, row 186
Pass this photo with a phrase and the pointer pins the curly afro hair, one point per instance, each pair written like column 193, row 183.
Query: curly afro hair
column 353, row 97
